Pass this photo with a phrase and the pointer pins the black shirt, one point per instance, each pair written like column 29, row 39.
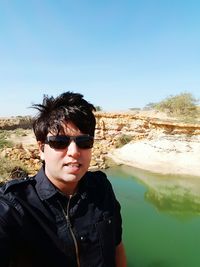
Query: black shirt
column 39, row 226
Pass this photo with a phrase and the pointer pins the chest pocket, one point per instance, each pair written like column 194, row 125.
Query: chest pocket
column 97, row 244
column 90, row 248
column 106, row 232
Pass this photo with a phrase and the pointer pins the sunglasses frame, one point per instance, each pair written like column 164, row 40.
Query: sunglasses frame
column 84, row 141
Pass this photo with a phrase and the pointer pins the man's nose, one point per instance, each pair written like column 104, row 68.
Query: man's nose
column 73, row 149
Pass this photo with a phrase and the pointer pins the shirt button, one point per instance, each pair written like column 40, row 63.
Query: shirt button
column 83, row 238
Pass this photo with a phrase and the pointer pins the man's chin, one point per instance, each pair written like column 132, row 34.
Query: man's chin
column 72, row 178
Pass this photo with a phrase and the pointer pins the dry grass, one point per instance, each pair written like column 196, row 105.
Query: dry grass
column 10, row 169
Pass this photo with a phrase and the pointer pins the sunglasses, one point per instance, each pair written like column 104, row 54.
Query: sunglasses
column 62, row 141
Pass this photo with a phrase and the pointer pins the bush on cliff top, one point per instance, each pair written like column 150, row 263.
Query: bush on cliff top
column 183, row 106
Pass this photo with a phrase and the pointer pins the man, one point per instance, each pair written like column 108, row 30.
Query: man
column 65, row 215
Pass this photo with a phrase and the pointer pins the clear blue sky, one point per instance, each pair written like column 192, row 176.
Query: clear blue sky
column 118, row 53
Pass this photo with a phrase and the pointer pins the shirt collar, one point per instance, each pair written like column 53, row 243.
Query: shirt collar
column 46, row 189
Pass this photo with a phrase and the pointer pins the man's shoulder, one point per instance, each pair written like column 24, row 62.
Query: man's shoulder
column 98, row 181
column 16, row 184
column 100, row 190
column 97, row 177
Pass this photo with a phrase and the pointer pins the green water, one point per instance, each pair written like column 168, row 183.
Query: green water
column 161, row 217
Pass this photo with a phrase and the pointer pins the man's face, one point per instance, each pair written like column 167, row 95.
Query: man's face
column 65, row 167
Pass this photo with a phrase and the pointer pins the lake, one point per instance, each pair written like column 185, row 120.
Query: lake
column 161, row 217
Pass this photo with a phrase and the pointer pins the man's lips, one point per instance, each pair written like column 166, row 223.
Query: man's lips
column 72, row 167
column 71, row 164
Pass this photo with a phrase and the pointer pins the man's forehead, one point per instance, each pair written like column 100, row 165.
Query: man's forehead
column 70, row 128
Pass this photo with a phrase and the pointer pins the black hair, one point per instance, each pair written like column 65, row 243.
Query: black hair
column 55, row 112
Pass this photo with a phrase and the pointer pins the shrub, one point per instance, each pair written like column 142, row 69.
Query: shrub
column 183, row 105
column 98, row 108
column 3, row 139
column 10, row 169
column 123, row 140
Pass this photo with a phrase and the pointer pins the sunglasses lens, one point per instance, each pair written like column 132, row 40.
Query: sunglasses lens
column 58, row 142
column 84, row 141
column 62, row 142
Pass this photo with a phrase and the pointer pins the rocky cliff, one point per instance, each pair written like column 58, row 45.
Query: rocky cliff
column 138, row 126
column 156, row 145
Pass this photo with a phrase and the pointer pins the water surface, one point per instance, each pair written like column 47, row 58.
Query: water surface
column 161, row 217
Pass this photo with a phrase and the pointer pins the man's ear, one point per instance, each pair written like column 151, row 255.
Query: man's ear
column 41, row 149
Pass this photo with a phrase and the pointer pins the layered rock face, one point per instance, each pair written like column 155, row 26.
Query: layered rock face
column 140, row 126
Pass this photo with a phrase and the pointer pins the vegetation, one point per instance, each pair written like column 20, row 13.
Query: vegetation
column 98, row 108
column 183, row 106
column 135, row 109
column 150, row 106
column 123, row 140
column 10, row 169
column 20, row 132
column 3, row 139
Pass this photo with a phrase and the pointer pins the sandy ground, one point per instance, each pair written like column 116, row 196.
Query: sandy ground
column 161, row 156
column 26, row 138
